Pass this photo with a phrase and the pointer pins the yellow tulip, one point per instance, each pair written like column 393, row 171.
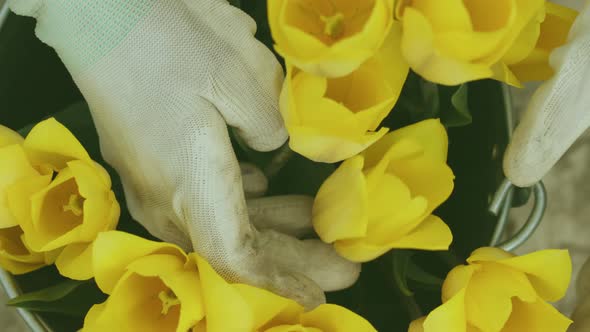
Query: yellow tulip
column 65, row 212
column 278, row 314
column 554, row 33
column 154, row 286
column 15, row 256
column 330, row 120
column 384, row 198
column 453, row 41
column 329, row 38
column 500, row 292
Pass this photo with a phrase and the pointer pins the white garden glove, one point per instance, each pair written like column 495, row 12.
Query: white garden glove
column 162, row 79
column 558, row 113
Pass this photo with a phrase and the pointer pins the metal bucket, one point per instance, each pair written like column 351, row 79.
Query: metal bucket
column 500, row 206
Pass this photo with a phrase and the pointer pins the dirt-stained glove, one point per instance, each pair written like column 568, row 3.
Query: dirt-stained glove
column 163, row 79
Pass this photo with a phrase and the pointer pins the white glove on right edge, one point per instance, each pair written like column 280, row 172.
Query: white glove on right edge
column 558, row 113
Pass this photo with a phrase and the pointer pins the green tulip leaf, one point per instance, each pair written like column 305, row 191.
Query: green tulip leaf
column 458, row 114
column 49, row 294
column 70, row 297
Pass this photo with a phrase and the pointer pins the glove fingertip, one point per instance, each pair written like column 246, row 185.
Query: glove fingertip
column 270, row 137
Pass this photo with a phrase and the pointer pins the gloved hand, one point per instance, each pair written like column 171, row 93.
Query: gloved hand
column 558, row 113
column 162, row 79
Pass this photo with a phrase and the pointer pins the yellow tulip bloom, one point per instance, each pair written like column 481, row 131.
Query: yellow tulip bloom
column 278, row 314
column 384, row 198
column 15, row 256
column 452, row 42
column 330, row 38
column 553, row 34
column 330, row 120
column 152, row 286
column 62, row 213
column 500, row 292
column 155, row 286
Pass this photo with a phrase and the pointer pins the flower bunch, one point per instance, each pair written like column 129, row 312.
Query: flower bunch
column 54, row 200
column 345, row 73
column 156, row 286
column 498, row 291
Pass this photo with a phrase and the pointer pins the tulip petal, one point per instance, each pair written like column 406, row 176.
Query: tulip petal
column 329, row 317
column 556, row 26
column 135, row 304
column 525, row 12
column 53, row 226
column 14, row 165
column 340, row 208
column 417, row 325
column 19, row 200
column 51, row 143
column 75, row 261
column 393, row 65
column 9, row 137
column 321, row 146
column 538, row 316
column 13, row 248
column 269, row 309
column 450, row 316
column 391, row 205
column 92, row 319
column 489, row 294
column 359, row 250
column 100, row 214
column 89, row 178
column 431, row 234
column 554, row 32
column 182, row 279
column 526, row 41
column 426, row 177
column 418, row 46
column 18, row 268
column 457, row 280
column 226, row 309
column 114, row 251
column 445, row 16
column 430, row 134
column 379, row 156
column 551, row 284
column 488, row 254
